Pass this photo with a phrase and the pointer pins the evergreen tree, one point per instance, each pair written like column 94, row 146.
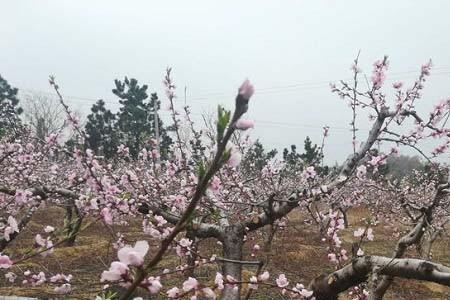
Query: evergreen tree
column 9, row 107
column 136, row 118
column 256, row 158
column 312, row 156
column 312, row 153
column 292, row 158
column 102, row 137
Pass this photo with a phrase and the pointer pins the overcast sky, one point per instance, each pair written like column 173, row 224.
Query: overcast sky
column 290, row 50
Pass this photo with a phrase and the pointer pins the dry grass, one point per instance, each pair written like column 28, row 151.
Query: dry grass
column 297, row 251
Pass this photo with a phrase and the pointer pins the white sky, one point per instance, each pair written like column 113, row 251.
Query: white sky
column 289, row 49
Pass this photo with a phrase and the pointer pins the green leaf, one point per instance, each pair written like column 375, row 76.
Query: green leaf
column 225, row 156
column 125, row 195
column 201, row 171
column 223, row 118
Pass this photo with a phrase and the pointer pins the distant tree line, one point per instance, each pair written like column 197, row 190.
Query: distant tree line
column 133, row 125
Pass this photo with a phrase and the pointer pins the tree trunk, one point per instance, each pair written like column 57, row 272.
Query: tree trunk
column 73, row 221
column 344, row 216
column 271, row 230
column 426, row 244
column 232, row 250
column 192, row 256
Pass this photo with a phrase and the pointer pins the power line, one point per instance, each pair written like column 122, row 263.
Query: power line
column 326, row 82
column 260, row 91
column 268, row 90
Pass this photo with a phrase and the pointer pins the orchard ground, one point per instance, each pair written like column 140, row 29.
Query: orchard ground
column 296, row 251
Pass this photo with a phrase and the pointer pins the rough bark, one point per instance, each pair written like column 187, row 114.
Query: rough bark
column 328, row 287
column 412, row 238
column 270, row 234
column 73, row 223
column 426, row 244
column 233, row 240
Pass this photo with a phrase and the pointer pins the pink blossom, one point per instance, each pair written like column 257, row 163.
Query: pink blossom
column 107, row 216
column 235, row 158
column 441, row 148
column 116, row 271
column 11, row 277
column 13, row 227
column 40, row 241
column 309, row 173
column 344, row 254
column 332, row 257
column 306, row 293
column 361, row 172
column 133, row 255
column 377, row 160
column 49, row 229
column 326, row 131
column 185, row 242
column 190, row 284
column 230, row 279
column 123, row 150
column 63, row 289
column 35, row 279
column 359, row 232
column 51, row 139
column 370, row 234
column 22, row 196
column 13, row 223
column 219, row 281
column 378, row 75
column 244, row 124
column 173, row 292
column 253, row 285
column 155, row 154
column 160, row 220
column 397, row 85
column 264, row 276
column 394, row 150
column 154, row 285
column 61, row 278
column 215, row 183
column 426, row 68
column 183, row 246
column 246, row 90
column 7, row 232
column 5, row 262
column 282, row 281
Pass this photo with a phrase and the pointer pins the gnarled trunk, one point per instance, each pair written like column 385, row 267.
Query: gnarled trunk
column 428, row 239
column 192, row 255
column 73, row 221
column 270, row 234
column 232, row 250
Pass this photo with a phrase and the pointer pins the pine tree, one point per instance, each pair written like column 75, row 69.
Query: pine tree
column 292, row 159
column 312, row 153
column 312, row 156
column 256, row 158
column 136, row 117
column 102, row 137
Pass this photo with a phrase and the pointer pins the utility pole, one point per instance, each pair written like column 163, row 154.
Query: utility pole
column 155, row 109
